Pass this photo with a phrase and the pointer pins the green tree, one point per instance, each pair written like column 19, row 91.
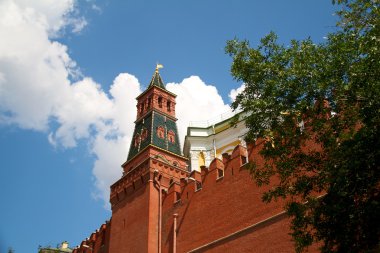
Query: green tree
column 318, row 105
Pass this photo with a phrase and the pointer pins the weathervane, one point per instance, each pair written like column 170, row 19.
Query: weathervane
column 158, row 66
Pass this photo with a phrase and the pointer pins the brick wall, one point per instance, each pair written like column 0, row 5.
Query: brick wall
column 217, row 212
column 226, row 214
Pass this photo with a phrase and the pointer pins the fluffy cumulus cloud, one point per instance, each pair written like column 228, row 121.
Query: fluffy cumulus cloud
column 37, row 91
column 111, row 140
column 197, row 103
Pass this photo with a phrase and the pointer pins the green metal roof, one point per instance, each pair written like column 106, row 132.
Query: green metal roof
column 157, row 81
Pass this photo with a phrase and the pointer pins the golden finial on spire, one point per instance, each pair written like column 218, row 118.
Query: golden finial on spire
column 158, row 66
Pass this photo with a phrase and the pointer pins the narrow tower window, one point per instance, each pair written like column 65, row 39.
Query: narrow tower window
column 142, row 107
column 160, row 102
column 168, row 106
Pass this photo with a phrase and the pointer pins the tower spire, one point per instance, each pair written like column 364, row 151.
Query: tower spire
column 155, row 124
column 156, row 78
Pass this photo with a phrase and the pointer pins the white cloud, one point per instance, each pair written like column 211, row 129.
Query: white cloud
column 36, row 92
column 83, row 106
column 31, row 66
column 53, row 15
column 112, row 141
column 196, row 101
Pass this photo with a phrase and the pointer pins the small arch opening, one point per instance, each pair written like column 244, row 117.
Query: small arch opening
column 142, row 107
column 159, row 102
column 161, row 132
column 171, row 136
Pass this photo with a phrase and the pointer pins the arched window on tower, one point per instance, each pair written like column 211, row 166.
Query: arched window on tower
column 161, row 132
column 149, row 102
column 168, row 106
column 171, row 136
column 137, row 140
column 144, row 134
column 139, row 108
column 142, row 107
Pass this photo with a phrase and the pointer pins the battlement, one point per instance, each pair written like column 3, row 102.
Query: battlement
column 139, row 172
column 212, row 203
column 130, row 181
column 223, row 188
column 195, row 181
column 97, row 242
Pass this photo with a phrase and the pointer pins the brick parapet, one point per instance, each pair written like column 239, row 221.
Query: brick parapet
column 98, row 242
column 188, row 185
column 223, row 205
column 140, row 170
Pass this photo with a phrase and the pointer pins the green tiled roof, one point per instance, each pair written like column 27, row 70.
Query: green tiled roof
column 157, row 81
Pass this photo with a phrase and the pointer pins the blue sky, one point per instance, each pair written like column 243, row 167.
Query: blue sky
column 69, row 73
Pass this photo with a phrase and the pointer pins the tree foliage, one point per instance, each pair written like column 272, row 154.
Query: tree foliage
column 318, row 105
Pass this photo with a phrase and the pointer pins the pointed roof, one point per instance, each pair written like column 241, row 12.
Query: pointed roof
column 157, row 80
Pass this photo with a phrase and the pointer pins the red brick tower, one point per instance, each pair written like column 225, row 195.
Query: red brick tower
column 154, row 163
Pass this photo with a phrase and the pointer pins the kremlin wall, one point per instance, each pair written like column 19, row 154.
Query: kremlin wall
column 203, row 200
